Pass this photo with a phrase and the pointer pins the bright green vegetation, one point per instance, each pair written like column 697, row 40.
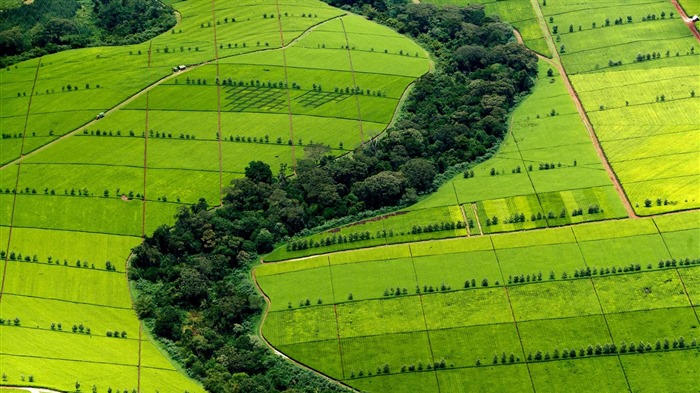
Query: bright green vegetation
column 545, row 174
column 691, row 7
column 90, row 196
column 519, row 13
column 639, row 93
column 395, row 315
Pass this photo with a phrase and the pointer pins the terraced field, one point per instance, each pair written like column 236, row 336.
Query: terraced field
column 77, row 193
column 533, row 311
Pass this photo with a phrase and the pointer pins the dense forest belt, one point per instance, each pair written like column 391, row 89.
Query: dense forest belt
column 48, row 26
column 486, row 72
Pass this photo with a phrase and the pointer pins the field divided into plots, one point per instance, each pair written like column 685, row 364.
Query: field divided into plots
column 78, row 205
column 508, row 312
column 634, row 66
column 546, row 173
column 519, row 13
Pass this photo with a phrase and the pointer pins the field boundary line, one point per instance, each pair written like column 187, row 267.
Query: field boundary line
column 335, row 312
column 425, row 320
column 19, row 171
column 527, row 171
column 685, row 289
column 86, row 361
column 274, row 350
column 69, row 301
column 478, row 222
column 354, row 81
column 411, row 77
column 286, row 85
column 515, row 320
column 218, row 106
column 558, row 64
column 602, row 311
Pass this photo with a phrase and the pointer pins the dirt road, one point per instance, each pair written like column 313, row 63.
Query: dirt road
column 556, row 62
column 691, row 25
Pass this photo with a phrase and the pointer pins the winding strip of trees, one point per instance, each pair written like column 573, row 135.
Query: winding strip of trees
column 193, row 277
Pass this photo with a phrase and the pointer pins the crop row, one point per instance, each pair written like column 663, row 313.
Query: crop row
column 513, row 280
column 539, row 356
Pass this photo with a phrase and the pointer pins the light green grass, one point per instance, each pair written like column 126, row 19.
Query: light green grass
column 691, row 279
column 462, row 346
column 466, row 308
column 646, row 291
column 62, row 374
column 391, row 274
column 58, row 282
column 642, row 249
column 554, row 299
column 645, row 326
column 287, row 289
column 490, row 379
column 540, row 259
column 368, row 353
column 419, row 382
column 308, row 324
column 319, row 355
column 583, row 375
column 659, row 372
column 395, row 315
column 683, row 244
column 568, row 333
column 454, row 269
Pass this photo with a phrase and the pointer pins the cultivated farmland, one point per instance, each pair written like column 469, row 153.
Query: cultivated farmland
column 635, row 69
column 84, row 191
column 531, row 311
column 546, row 173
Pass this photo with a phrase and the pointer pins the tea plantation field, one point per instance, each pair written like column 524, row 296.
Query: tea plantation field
column 634, row 66
column 264, row 80
column 608, row 306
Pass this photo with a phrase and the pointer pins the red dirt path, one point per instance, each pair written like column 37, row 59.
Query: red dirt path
column 691, row 25
column 586, row 121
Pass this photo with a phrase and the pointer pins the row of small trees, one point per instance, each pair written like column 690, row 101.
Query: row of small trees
column 304, row 244
column 348, row 90
column 386, row 369
column 597, row 350
column 584, row 272
column 75, row 329
column 84, row 193
column 116, row 333
column 18, row 257
column 13, row 322
column 303, row 15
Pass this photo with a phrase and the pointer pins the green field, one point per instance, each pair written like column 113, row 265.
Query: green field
column 639, row 93
column 86, row 190
column 391, row 316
